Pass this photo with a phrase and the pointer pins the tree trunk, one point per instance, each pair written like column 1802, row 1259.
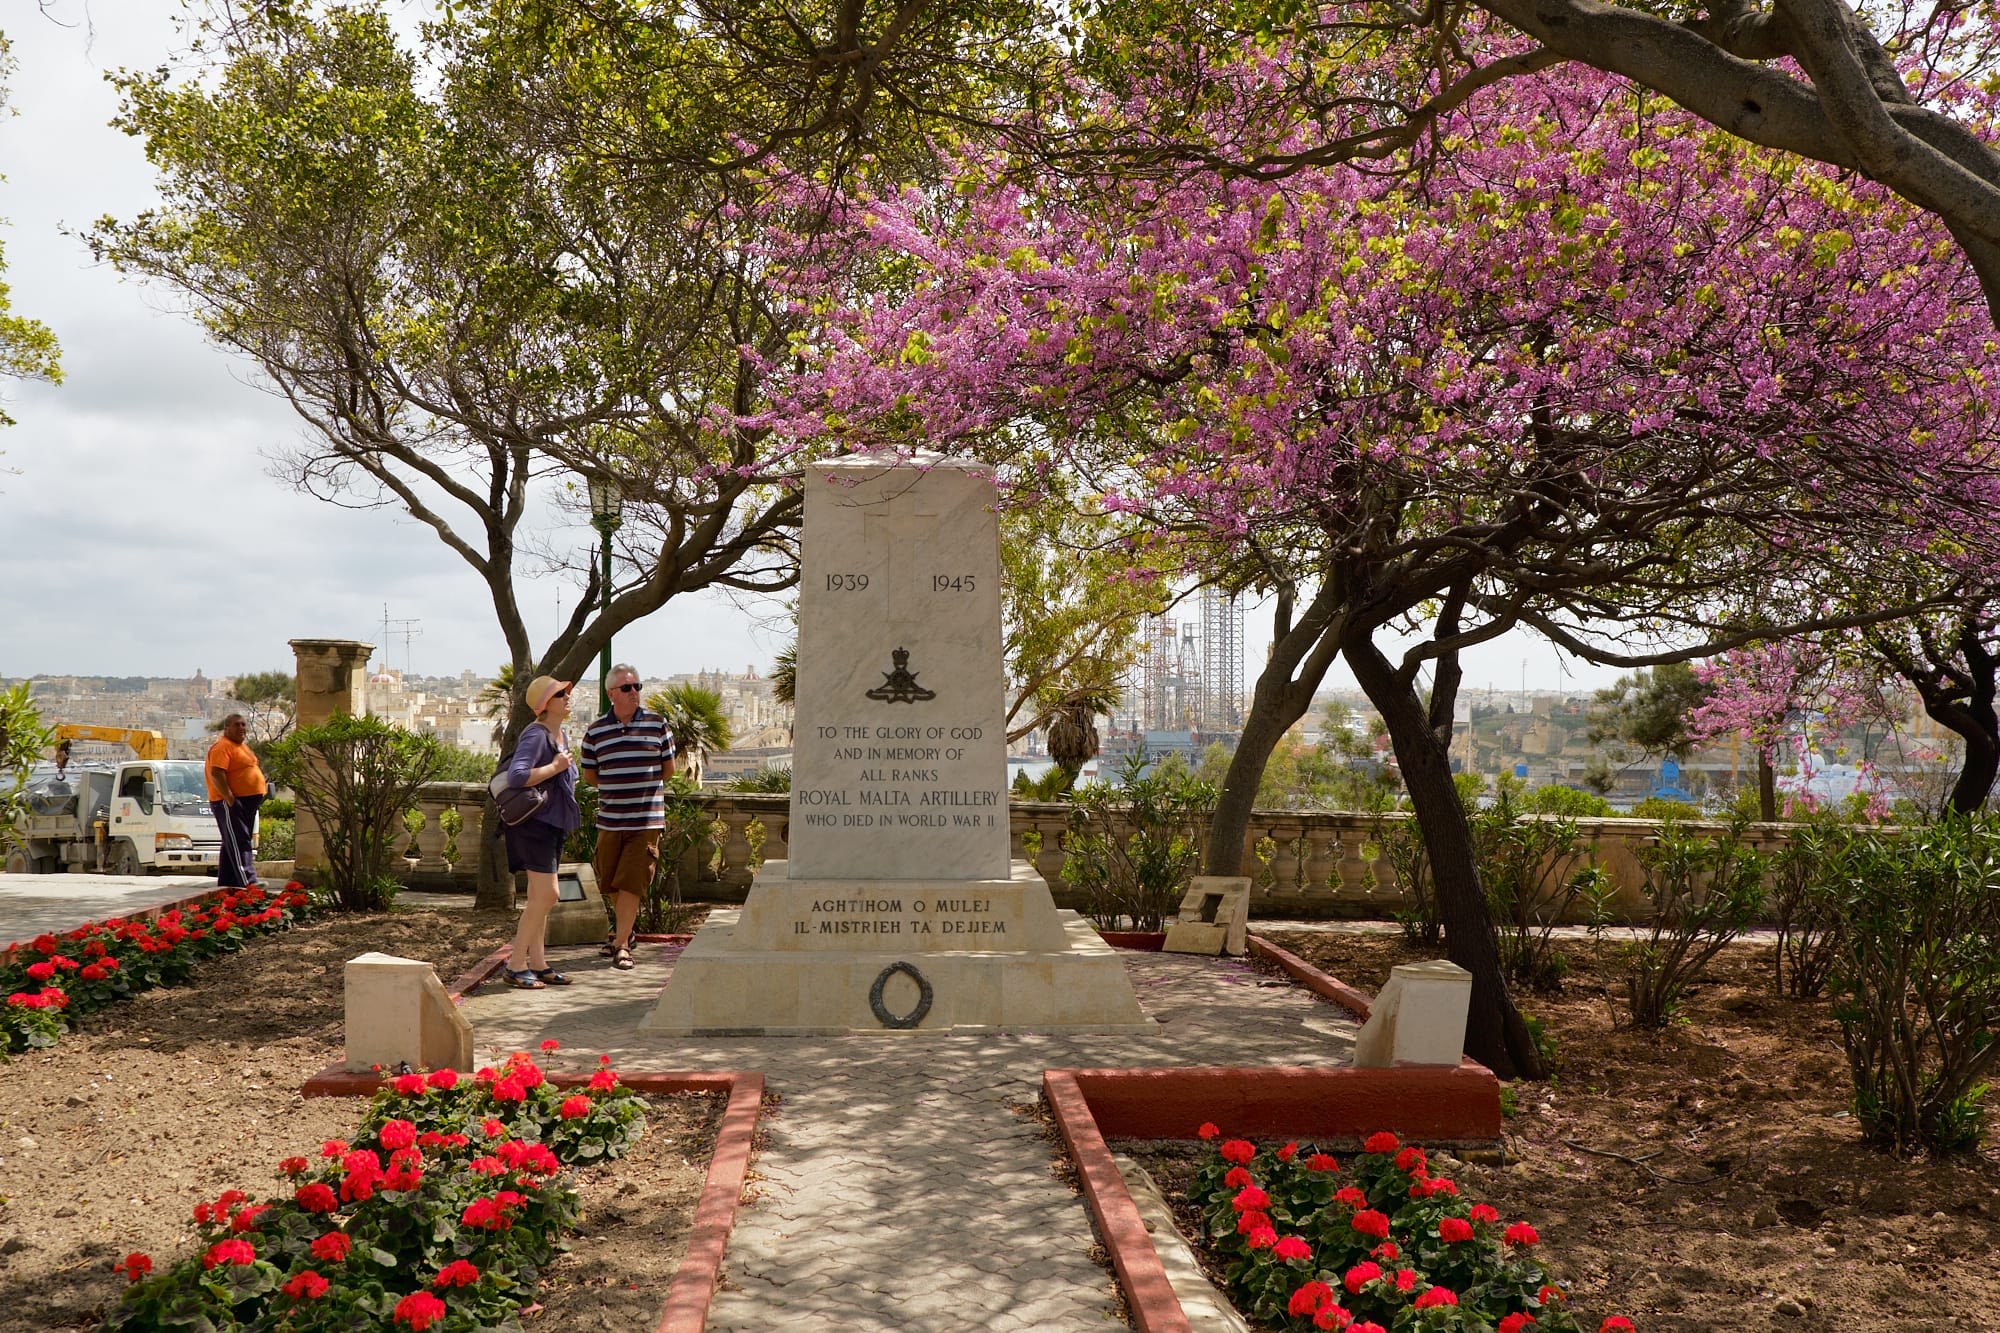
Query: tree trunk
column 1767, row 788
column 495, row 891
column 1495, row 1033
column 1981, row 767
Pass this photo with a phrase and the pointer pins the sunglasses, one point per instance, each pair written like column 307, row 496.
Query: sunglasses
column 626, row 689
column 560, row 694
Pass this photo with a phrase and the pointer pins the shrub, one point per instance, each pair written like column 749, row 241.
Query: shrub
column 1306, row 1244
column 1916, row 978
column 1401, row 843
column 1132, row 849
column 277, row 838
column 1567, row 801
column 762, row 780
column 1528, row 869
column 1704, row 892
column 1661, row 808
column 1807, row 917
column 357, row 776
column 277, row 807
column 688, row 825
column 447, row 1204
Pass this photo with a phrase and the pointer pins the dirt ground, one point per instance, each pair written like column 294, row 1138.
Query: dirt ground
column 108, row 1140
column 1749, row 1202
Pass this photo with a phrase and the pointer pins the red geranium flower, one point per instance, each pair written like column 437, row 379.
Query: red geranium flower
column 444, row 1079
column 1361, row 1275
column 1617, row 1323
column 457, row 1273
column 1237, row 1178
column 1208, row 1128
column 1366, row 1328
column 307, row 1286
column 1485, row 1212
column 1521, row 1234
column 1350, row 1196
column 419, row 1310
column 1250, row 1197
column 333, row 1246
column 246, row 1220
column 1332, row 1318
column 333, row 1148
column 229, row 1252
column 1292, row 1247
column 1406, row 1278
column 1310, row 1299
column 1454, row 1229
column 293, row 1166
column 1263, row 1238
column 1437, row 1296
column 1319, row 1161
column 1514, row 1323
column 604, row 1080
column 1412, row 1160
column 1386, row 1252
column 551, row 1044
column 1239, row 1151
column 317, row 1198
column 1383, row 1142
column 575, row 1107
column 1547, row 1294
column 135, row 1266
column 1251, row 1221
column 510, row 1089
column 410, row 1085
column 487, row 1166
column 1288, row 1152
column 493, row 1129
column 398, row 1133
column 1369, row 1222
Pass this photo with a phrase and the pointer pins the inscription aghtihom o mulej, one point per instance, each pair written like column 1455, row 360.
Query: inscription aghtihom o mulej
column 898, row 901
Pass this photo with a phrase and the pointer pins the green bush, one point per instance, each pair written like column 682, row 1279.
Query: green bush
column 581, row 844
column 277, row 838
column 1916, row 977
column 1704, row 892
column 1132, row 849
column 688, row 825
column 357, row 776
column 1530, row 873
column 762, row 780
column 1401, row 843
column 277, row 807
column 1807, row 917
column 1567, row 801
column 1660, row 808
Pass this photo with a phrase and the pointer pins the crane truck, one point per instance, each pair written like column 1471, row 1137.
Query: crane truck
column 145, row 815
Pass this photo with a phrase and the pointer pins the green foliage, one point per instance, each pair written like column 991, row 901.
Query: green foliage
column 1400, row 843
column 1567, row 801
column 458, row 764
column 1704, row 892
column 445, row 1174
column 357, row 776
column 1807, row 917
column 1529, row 870
column 768, row 780
column 23, row 738
column 277, row 837
column 688, row 825
column 695, row 717
column 1329, row 1220
column 277, row 807
column 581, row 842
column 1648, row 710
column 1660, row 808
column 452, row 823
column 1132, row 849
column 1916, row 977
column 1055, row 784
column 269, row 705
column 27, row 349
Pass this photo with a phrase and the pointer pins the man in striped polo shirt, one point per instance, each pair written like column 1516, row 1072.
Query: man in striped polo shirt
column 628, row 754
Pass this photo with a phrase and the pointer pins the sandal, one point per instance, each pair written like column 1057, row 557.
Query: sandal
column 607, row 950
column 548, row 976
column 525, row 979
column 622, row 960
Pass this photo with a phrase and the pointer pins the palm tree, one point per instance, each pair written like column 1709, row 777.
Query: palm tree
column 1073, row 739
column 695, row 717
column 496, row 697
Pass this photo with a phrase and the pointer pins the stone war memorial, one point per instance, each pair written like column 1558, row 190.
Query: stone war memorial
column 900, row 907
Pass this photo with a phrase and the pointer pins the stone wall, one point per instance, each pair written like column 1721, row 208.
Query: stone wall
column 1322, row 865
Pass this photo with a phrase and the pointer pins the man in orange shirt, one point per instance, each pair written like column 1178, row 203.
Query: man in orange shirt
column 235, row 790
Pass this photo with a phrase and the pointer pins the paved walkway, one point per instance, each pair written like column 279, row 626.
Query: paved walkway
column 33, row 904
column 904, row 1183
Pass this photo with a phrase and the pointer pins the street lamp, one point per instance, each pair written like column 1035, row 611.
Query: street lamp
column 607, row 507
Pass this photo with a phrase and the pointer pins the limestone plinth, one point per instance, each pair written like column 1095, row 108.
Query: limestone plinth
column 1214, row 917
column 399, row 1013
column 1418, row 1019
column 898, row 907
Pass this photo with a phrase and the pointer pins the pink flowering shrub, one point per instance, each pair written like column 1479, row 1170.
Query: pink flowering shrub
column 55, row 977
column 1311, row 1242
column 440, row 1213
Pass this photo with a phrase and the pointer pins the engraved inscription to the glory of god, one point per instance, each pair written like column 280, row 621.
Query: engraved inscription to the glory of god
column 899, row 766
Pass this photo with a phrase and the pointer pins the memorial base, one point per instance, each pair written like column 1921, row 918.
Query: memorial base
column 894, row 958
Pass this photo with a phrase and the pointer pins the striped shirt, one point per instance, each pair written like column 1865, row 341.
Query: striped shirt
column 626, row 759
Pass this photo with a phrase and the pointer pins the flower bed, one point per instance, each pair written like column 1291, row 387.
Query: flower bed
column 439, row 1214
column 1382, row 1244
column 51, row 977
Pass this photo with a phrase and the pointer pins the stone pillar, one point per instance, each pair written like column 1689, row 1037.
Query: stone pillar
column 332, row 678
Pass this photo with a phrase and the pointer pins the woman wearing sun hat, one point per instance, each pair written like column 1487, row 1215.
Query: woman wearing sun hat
column 535, row 844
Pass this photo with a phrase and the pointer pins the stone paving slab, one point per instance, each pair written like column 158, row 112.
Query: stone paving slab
column 905, row 1182
column 31, row 905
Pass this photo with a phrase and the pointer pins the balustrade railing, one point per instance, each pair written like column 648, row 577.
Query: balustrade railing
column 1303, row 863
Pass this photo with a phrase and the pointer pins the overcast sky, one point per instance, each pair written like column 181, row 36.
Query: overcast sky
column 143, row 530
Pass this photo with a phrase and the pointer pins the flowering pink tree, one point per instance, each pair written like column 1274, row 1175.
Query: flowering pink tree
column 1600, row 372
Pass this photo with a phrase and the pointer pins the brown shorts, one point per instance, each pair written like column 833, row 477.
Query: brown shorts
column 626, row 859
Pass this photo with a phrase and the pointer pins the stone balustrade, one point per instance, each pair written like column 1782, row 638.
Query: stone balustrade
column 1304, row 863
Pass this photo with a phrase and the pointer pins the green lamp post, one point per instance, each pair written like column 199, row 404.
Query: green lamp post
column 607, row 507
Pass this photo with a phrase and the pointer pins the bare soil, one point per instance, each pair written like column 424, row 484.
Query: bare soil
column 108, row 1140
column 1710, row 1175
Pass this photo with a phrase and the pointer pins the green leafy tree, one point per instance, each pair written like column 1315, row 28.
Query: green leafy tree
column 27, row 349
column 23, row 738
column 357, row 776
column 270, row 706
column 696, row 718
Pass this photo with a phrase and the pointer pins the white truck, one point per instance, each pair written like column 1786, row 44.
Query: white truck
column 147, row 815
